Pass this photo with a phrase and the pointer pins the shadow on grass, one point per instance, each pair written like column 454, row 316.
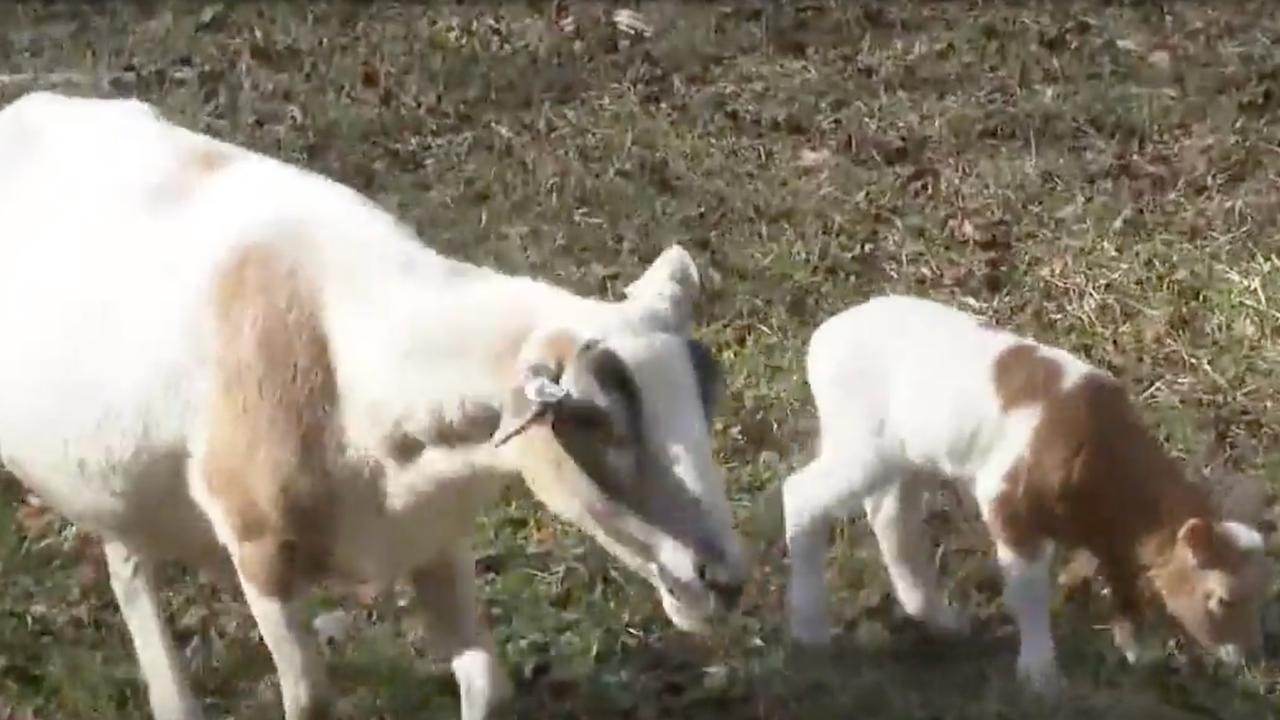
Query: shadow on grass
column 912, row 675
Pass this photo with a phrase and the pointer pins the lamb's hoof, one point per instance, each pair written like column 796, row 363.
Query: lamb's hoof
column 1133, row 654
column 808, row 620
column 1042, row 678
column 950, row 621
column 810, row 633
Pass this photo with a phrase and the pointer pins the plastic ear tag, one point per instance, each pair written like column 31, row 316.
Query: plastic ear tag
column 543, row 391
column 543, row 394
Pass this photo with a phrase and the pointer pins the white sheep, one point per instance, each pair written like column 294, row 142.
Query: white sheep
column 1051, row 450
column 218, row 357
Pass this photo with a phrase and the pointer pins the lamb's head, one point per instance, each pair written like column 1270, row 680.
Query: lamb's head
column 611, row 431
column 1214, row 584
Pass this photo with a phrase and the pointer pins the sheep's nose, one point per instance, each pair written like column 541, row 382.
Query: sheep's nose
column 726, row 588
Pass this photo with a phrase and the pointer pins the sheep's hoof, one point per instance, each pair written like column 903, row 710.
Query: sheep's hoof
column 483, row 685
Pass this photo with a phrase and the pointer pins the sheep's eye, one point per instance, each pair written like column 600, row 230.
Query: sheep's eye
column 590, row 420
column 584, row 415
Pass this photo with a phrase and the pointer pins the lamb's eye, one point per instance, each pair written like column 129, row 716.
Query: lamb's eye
column 1221, row 603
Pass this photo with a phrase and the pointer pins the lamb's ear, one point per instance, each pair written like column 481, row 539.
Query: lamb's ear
column 536, row 392
column 666, row 292
column 1197, row 536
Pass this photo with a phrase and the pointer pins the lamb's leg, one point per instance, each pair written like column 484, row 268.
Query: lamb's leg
column 456, row 629
column 1126, row 608
column 304, row 685
column 133, row 582
column 1027, row 598
column 896, row 514
column 811, row 497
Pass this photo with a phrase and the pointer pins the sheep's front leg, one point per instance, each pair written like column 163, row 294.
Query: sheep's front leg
column 133, row 583
column 447, row 594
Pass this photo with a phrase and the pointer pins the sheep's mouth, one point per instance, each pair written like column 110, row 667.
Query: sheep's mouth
column 689, row 605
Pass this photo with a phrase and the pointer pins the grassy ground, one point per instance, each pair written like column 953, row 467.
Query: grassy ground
column 1103, row 177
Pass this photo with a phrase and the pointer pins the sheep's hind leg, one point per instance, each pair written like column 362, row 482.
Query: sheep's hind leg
column 304, row 685
column 812, row 498
column 133, row 582
column 896, row 515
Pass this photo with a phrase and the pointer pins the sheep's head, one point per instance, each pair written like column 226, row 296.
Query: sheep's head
column 612, row 432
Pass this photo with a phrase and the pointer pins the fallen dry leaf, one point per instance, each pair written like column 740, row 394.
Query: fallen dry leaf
column 367, row 594
column 91, row 568
column 631, row 23
column 925, row 177
column 332, row 628
column 964, row 228
column 35, row 520
column 563, row 17
column 813, row 158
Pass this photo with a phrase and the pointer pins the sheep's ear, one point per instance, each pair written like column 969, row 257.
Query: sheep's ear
column 666, row 292
column 533, row 402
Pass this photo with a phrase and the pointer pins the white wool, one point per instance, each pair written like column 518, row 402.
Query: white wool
column 114, row 225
